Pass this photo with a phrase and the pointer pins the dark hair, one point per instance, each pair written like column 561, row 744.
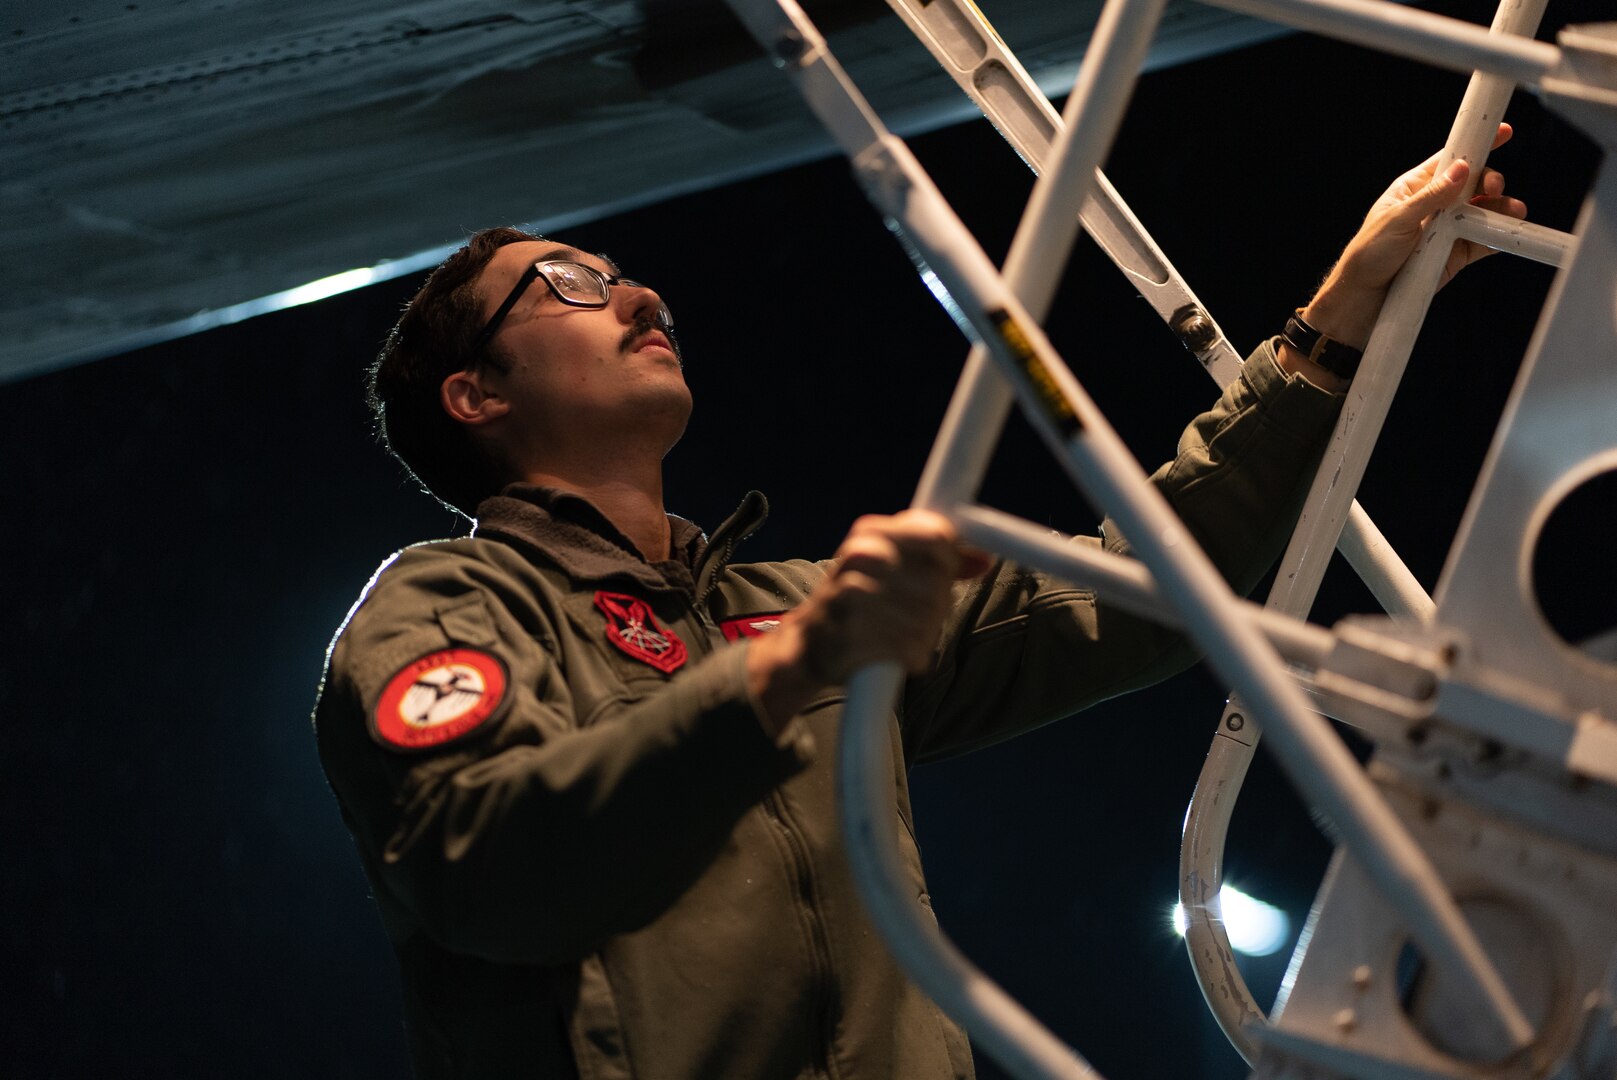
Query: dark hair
column 434, row 338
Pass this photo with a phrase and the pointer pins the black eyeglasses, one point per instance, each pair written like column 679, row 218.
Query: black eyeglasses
column 572, row 283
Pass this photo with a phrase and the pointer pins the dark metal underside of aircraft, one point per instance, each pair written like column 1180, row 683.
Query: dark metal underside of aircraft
column 172, row 164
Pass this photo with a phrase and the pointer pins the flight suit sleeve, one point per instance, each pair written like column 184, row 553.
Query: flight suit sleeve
column 1021, row 649
column 529, row 835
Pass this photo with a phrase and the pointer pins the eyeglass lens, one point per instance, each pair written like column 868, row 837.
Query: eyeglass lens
column 577, row 282
column 580, row 284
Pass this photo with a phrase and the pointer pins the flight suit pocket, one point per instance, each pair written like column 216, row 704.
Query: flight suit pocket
column 467, row 622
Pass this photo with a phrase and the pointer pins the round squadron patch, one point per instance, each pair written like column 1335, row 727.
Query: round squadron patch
column 440, row 697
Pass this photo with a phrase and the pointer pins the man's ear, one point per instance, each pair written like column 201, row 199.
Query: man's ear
column 468, row 399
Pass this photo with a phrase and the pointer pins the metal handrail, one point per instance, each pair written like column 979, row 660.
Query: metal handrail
column 963, row 42
column 1314, row 757
column 1236, row 738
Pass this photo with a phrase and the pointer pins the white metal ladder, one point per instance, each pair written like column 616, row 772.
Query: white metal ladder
column 1487, row 692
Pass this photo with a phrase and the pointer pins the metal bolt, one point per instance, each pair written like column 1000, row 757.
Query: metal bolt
column 1235, row 721
column 1345, row 1020
column 1194, row 328
column 1361, row 976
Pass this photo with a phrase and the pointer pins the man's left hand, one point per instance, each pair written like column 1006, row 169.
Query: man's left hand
column 1346, row 305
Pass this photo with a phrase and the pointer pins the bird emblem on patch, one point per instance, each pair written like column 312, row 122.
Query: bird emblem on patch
column 633, row 628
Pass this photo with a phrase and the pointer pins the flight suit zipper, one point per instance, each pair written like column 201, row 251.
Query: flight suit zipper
column 746, row 520
column 820, row 963
column 742, row 524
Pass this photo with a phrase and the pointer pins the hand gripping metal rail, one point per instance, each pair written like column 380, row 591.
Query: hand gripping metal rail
column 991, row 310
column 967, row 47
column 1518, row 801
column 1303, row 566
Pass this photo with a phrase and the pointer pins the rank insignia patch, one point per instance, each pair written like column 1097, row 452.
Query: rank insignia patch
column 439, row 697
column 633, row 628
column 750, row 626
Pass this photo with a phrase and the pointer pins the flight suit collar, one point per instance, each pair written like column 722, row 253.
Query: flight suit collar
column 570, row 531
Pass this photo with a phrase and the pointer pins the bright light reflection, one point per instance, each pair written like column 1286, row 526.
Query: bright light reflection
column 1254, row 927
column 328, row 286
column 935, row 286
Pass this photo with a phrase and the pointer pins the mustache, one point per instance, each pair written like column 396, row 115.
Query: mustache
column 645, row 325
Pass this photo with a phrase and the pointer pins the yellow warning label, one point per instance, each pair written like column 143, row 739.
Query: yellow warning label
column 1038, row 375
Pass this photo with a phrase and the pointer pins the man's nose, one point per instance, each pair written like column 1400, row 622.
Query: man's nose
column 641, row 301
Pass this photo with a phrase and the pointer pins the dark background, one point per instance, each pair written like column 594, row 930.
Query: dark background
column 187, row 525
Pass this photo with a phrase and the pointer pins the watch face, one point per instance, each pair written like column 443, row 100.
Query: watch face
column 439, row 697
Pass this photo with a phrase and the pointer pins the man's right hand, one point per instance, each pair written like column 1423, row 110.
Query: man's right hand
column 884, row 600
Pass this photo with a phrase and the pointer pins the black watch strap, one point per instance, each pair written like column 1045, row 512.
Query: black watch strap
column 1339, row 359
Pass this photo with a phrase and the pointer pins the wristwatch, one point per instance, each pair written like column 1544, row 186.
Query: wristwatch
column 1339, row 359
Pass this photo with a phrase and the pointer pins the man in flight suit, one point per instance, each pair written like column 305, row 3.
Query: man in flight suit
column 587, row 757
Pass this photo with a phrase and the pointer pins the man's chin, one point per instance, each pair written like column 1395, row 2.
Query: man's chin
column 671, row 401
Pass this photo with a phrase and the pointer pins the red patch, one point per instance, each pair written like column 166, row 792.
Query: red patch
column 750, row 626
column 632, row 627
column 440, row 697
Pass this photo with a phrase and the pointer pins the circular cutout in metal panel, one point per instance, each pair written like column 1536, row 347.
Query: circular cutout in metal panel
column 1531, row 958
column 1574, row 567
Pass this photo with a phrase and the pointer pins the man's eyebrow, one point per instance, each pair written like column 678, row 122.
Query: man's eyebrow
column 573, row 253
column 558, row 253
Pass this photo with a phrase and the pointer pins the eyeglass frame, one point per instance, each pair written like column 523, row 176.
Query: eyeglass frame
column 665, row 318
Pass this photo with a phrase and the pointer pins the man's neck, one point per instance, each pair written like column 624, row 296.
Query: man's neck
column 634, row 506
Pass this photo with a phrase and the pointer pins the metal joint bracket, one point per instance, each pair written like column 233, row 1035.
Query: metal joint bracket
column 1382, row 676
column 1402, row 658
column 1530, row 717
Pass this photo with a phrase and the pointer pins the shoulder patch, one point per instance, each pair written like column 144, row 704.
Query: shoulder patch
column 632, row 626
column 750, row 625
column 439, row 697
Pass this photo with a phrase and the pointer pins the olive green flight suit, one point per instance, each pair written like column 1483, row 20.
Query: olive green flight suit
column 605, row 868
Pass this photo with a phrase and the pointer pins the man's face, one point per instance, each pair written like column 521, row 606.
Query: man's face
column 579, row 373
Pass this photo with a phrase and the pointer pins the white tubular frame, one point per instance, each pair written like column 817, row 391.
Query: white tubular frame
column 1415, row 35
column 987, row 307
column 963, row 42
column 966, row 46
column 1330, row 500
column 1525, row 238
